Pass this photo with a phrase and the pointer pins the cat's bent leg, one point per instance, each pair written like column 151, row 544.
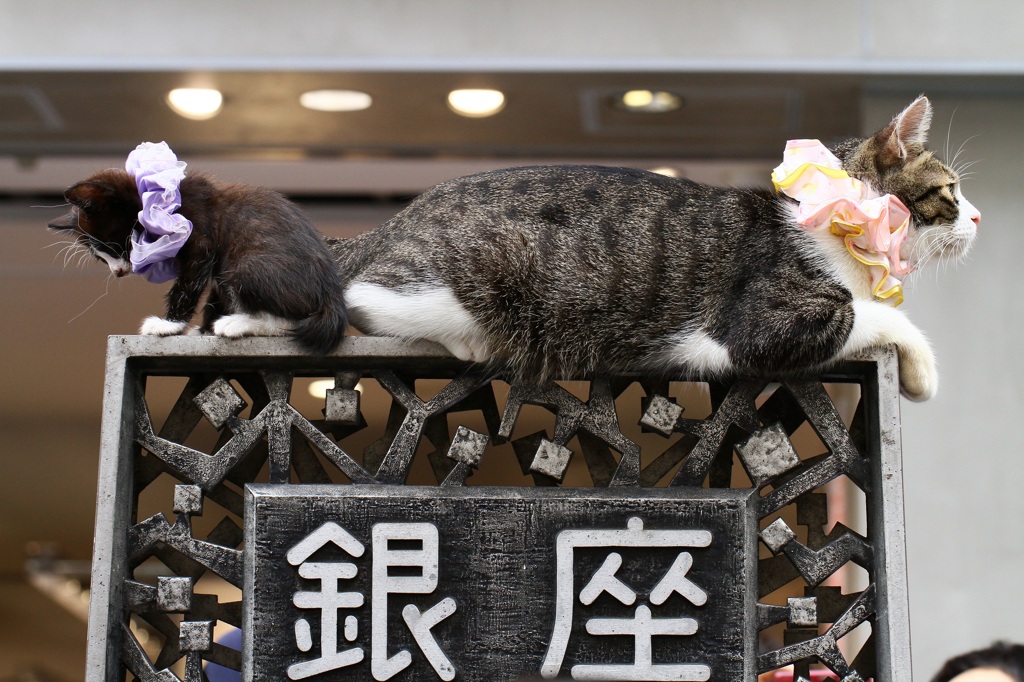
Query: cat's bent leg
column 238, row 325
column 879, row 324
column 697, row 352
column 431, row 313
column 182, row 300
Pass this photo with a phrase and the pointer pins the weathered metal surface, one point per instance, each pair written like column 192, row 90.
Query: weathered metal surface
column 661, row 415
column 528, row 574
column 219, row 402
column 270, row 441
column 767, row 454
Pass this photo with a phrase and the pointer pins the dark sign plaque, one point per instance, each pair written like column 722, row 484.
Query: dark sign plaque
column 364, row 582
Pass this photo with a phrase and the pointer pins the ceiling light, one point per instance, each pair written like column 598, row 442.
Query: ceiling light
column 476, row 103
column 335, row 100
column 197, row 104
column 319, row 387
column 667, row 171
column 650, row 101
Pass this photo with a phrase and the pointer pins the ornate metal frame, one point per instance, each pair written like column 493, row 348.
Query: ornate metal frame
column 751, row 423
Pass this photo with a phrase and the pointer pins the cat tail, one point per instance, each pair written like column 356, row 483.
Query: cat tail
column 321, row 332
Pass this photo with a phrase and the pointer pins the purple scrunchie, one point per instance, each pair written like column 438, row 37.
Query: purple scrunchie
column 163, row 232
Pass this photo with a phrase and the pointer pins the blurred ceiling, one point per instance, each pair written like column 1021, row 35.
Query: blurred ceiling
column 58, row 126
column 553, row 114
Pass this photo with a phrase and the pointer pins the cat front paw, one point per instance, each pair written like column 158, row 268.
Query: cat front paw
column 919, row 379
column 158, row 326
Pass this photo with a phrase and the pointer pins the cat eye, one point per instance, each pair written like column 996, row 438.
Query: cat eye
column 937, row 191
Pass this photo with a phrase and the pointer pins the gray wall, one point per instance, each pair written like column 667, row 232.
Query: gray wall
column 923, row 35
column 962, row 453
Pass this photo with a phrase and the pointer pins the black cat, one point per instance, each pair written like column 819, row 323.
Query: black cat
column 265, row 267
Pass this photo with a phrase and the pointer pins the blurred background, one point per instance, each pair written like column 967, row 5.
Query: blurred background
column 709, row 90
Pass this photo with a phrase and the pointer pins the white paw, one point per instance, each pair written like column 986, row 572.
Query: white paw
column 158, row 326
column 479, row 352
column 233, row 326
column 919, row 379
column 241, row 324
column 468, row 350
column 878, row 324
column 458, row 349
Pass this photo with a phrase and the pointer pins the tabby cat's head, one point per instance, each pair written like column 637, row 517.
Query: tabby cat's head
column 895, row 161
column 104, row 210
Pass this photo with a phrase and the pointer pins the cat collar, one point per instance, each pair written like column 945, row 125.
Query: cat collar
column 873, row 226
column 161, row 232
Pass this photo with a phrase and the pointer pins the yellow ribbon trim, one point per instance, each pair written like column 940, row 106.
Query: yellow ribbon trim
column 790, row 180
column 850, row 234
column 894, row 292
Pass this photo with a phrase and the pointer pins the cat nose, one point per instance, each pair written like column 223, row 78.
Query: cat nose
column 976, row 218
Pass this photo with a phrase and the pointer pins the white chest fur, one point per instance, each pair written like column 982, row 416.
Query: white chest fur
column 836, row 259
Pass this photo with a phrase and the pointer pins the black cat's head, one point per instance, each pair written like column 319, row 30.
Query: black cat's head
column 104, row 210
column 894, row 161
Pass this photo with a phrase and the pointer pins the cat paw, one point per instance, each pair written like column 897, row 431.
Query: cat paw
column 919, row 380
column 233, row 326
column 158, row 326
column 240, row 325
column 468, row 350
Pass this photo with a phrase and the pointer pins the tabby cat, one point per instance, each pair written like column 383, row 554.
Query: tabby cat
column 571, row 271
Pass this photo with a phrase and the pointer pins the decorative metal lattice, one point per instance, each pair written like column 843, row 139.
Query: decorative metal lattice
column 235, row 420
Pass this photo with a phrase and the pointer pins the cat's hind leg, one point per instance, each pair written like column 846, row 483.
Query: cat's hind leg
column 427, row 312
column 695, row 351
column 238, row 325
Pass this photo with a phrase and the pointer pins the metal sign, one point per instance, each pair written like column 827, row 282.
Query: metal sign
column 364, row 582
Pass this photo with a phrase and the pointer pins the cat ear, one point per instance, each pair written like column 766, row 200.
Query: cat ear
column 907, row 133
column 87, row 194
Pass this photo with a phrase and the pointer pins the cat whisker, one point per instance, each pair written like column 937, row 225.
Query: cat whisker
column 927, row 246
column 962, row 169
column 940, row 240
column 67, row 247
column 961, row 149
column 69, row 253
column 83, row 258
column 81, row 253
column 57, row 243
column 89, row 307
column 949, row 132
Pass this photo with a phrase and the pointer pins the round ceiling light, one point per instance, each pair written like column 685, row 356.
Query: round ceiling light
column 335, row 100
column 476, row 103
column 650, row 101
column 667, row 171
column 318, row 387
column 197, row 104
